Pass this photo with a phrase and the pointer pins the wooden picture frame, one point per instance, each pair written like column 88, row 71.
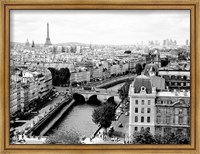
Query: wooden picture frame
column 192, row 5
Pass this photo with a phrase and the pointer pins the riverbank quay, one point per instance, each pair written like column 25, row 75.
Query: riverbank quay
column 22, row 124
column 119, row 126
column 27, row 120
column 35, row 134
column 48, row 118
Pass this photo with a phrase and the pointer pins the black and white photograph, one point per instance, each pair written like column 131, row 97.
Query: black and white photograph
column 100, row 77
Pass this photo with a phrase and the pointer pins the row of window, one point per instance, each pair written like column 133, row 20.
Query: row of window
column 142, row 128
column 167, row 120
column 176, row 77
column 142, row 110
column 177, row 84
column 168, row 130
column 142, row 119
column 142, row 102
column 168, row 110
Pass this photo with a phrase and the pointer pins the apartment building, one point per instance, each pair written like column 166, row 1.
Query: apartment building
column 159, row 111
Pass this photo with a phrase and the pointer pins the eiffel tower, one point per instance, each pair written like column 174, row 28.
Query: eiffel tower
column 48, row 42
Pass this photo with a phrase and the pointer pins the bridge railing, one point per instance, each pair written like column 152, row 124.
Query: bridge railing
column 102, row 92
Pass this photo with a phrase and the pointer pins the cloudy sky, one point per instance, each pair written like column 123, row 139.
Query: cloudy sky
column 100, row 26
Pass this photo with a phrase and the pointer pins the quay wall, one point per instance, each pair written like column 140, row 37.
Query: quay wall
column 115, row 82
column 51, row 118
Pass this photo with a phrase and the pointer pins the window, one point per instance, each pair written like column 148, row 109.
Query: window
column 158, row 120
column 142, row 128
column 167, row 131
column 168, row 119
column 142, row 119
column 180, row 111
column 136, row 110
column 180, row 120
column 158, row 130
column 142, row 102
column 148, row 128
column 179, row 131
column 148, row 119
column 167, row 110
column 136, row 128
column 142, row 110
column 149, row 102
column 158, row 110
column 136, row 118
column 136, row 102
column 148, row 110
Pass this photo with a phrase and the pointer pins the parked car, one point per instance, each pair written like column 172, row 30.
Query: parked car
column 62, row 93
column 126, row 114
column 50, row 99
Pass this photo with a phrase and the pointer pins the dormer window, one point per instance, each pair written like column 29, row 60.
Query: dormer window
column 143, row 89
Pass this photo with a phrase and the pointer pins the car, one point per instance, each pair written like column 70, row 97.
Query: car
column 126, row 114
column 50, row 99
column 62, row 93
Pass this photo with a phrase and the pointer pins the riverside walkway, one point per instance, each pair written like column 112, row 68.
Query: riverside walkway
column 60, row 114
column 115, row 81
column 45, row 123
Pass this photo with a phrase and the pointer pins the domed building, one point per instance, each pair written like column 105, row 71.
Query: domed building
column 159, row 111
column 142, row 104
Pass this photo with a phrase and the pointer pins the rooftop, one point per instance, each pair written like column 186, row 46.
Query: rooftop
column 142, row 81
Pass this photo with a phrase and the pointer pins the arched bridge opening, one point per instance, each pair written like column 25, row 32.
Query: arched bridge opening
column 79, row 99
column 94, row 100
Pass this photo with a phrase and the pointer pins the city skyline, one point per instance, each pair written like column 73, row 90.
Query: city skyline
column 87, row 26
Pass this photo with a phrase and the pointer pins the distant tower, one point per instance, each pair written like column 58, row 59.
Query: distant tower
column 187, row 43
column 164, row 42
column 27, row 43
column 48, row 42
column 33, row 44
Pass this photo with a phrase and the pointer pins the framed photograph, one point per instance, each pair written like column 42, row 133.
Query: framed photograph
column 99, row 76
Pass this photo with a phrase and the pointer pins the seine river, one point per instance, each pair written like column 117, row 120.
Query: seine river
column 79, row 119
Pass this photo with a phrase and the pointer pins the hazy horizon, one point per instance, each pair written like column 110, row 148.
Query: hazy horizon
column 110, row 27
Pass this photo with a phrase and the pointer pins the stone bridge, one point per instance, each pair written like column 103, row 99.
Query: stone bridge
column 101, row 94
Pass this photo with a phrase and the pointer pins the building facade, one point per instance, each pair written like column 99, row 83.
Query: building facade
column 159, row 111
column 176, row 79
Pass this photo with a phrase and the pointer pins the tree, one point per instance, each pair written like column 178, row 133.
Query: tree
column 143, row 137
column 127, row 52
column 143, row 65
column 124, row 90
column 63, row 137
column 104, row 115
column 165, row 62
column 138, row 68
column 111, row 101
column 171, row 138
column 64, row 75
column 60, row 77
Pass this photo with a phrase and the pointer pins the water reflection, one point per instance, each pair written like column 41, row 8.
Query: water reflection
column 79, row 119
